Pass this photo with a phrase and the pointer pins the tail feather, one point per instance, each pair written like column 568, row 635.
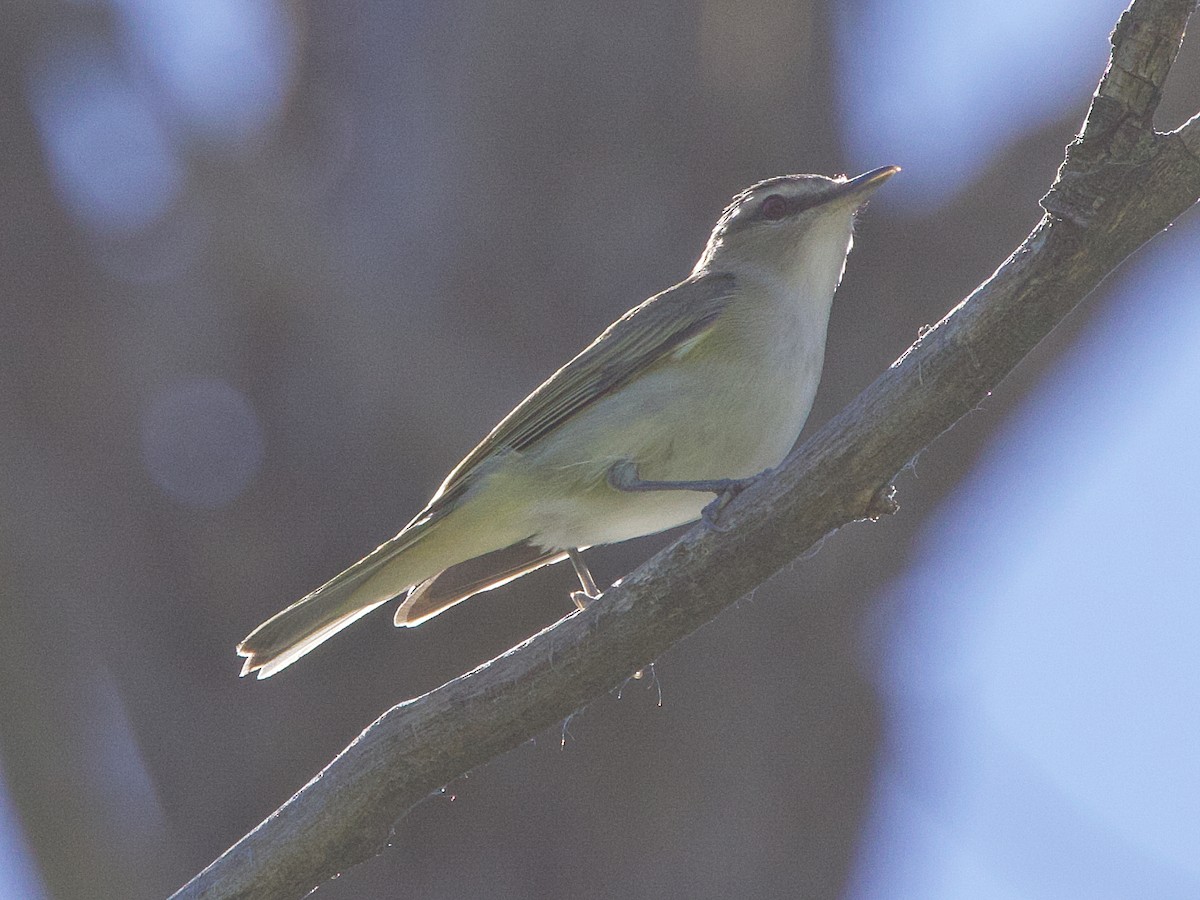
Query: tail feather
column 313, row 619
column 428, row 545
column 484, row 573
column 266, row 664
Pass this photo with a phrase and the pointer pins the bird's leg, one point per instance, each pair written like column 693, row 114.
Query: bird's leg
column 590, row 591
column 622, row 476
column 586, row 581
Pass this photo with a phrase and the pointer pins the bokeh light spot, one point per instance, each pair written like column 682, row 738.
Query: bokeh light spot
column 944, row 86
column 112, row 166
column 224, row 65
column 1042, row 671
column 202, row 442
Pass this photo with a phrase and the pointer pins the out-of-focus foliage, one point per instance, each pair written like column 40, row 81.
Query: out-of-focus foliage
column 267, row 270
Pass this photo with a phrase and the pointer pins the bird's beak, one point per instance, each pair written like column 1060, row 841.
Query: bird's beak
column 861, row 186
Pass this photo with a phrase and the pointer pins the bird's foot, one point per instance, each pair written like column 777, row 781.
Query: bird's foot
column 581, row 599
column 727, row 491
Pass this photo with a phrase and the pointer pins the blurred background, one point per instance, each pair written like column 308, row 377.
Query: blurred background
column 269, row 269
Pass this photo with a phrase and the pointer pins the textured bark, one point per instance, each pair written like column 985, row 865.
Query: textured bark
column 1119, row 185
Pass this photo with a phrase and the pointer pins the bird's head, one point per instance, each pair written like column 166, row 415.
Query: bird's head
column 784, row 226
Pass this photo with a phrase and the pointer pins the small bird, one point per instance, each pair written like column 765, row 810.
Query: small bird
column 688, row 395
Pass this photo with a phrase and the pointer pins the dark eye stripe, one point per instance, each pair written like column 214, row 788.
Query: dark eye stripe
column 756, row 213
column 747, row 208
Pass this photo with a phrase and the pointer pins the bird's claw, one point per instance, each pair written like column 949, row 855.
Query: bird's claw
column 729, row 492
column 582, row 598
column 709, row 514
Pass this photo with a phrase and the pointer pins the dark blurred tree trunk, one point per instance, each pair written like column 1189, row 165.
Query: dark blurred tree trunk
column 68, row 758
column 1121, row 184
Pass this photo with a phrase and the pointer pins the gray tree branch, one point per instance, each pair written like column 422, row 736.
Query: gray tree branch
column 1119, row 185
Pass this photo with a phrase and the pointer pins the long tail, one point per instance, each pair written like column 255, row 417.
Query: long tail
column 435, row 595
column 344, row 599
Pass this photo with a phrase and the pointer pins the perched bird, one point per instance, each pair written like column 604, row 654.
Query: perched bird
column 687, row 395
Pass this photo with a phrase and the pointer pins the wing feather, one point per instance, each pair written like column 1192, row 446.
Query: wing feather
column 627, row 348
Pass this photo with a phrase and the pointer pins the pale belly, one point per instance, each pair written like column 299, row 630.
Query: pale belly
column 746, row 423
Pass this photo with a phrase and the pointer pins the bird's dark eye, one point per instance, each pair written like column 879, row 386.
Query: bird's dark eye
column 774, row 207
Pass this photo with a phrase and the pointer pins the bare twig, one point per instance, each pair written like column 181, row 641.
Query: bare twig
column 1120, row 184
